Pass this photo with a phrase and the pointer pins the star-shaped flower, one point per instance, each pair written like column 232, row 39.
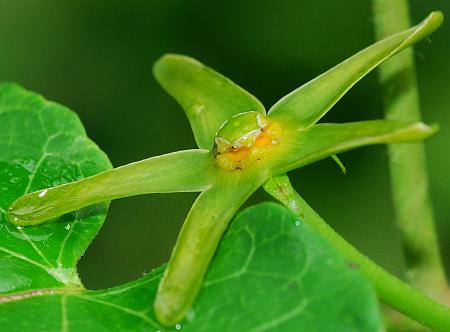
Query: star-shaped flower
column 240, row 148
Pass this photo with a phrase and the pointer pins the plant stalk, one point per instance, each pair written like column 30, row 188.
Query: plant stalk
column 391, row 290
column 407, row 161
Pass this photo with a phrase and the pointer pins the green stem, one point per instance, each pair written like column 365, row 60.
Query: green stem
column 390, row 289
column 409, row 180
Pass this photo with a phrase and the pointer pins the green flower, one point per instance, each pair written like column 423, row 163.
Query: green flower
column 240, row 148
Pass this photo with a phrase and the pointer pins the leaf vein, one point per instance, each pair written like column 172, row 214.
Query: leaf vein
column 243, row 269
column 33, row 245
column 24, row 258
column 64, row 321
column 125, row 289
column 281, row 319
column 121, row 308
column 64, row 242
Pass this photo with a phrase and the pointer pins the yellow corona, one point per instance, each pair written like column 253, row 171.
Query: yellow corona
column 245, row 140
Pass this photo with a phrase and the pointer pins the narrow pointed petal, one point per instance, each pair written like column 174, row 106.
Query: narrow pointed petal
column 324, row 140
column 306, row 105
column 196, row 245
column 184, row 171
column 208, row 98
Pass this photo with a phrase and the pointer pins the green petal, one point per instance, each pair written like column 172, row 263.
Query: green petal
column 208, row 98
column 184, row 171
column 323, row 140
column 306, row 105
column 197, row 243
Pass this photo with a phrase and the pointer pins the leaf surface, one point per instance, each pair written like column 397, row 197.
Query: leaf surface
column 43, row 144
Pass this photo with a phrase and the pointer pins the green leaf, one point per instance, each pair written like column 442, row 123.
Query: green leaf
column 271, row 273
column 306, row 105
column 208, row 98
column 182, row 171
column 304, row 147
column 43, row 144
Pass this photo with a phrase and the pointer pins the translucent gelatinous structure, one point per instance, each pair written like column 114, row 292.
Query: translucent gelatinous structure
column 244, row 140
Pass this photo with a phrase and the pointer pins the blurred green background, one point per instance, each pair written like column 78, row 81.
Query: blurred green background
column 95, row 56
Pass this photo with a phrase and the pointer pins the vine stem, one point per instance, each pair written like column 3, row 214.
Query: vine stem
column 391, row 290
column 407, row 162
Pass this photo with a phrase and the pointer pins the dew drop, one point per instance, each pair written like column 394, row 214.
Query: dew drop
column 19, row 232
column 18, row 227
column 190, row 315
column 68, row 276
column 43, row 193
column 297, row 223
column 410, row 274
column 14, row 180
column 67, row 227
column 178, row 326
column 197, row 109
column 293, row 206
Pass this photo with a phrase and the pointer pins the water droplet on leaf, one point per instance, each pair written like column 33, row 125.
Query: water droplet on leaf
column 43, row 193
column 190, row 315
column 293, row 206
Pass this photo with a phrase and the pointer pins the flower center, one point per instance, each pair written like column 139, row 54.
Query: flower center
column 244, row 140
